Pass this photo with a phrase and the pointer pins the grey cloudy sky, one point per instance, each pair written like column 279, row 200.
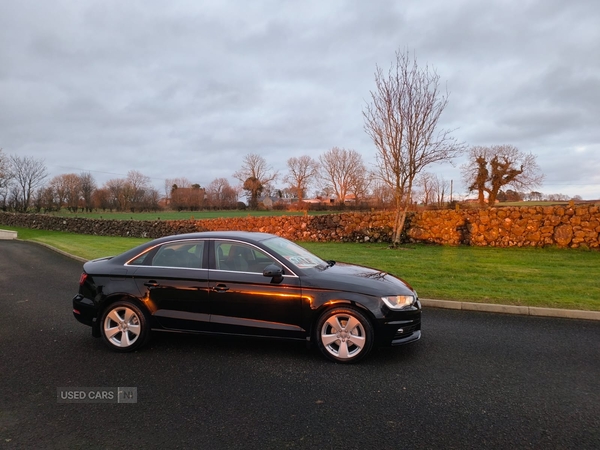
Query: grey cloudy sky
column 187, row 88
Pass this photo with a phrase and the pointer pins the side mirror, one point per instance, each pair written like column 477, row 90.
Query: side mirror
column 273, row 271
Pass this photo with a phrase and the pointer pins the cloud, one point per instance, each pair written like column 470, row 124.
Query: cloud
column 188, row 88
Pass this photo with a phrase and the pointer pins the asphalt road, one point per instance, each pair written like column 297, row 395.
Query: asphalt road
column 475, row 380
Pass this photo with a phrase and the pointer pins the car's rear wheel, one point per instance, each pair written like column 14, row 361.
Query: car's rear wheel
column 124, row 327
column 345, row 335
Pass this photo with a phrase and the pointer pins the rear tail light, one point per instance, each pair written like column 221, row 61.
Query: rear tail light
column 82, row 278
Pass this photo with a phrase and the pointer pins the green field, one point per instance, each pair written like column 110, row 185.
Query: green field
column 183, row 215
column 550, row 277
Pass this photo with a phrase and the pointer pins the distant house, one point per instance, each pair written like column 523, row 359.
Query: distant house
column 349, row 199
column 319, row 201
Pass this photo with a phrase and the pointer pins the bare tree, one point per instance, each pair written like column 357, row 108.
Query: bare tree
column 557, row 197
column 254, row 175
column 440, row 189
column 424, row 184
column 67, row 190
column 88, row 186
column 4, row 171
column 433, row 189
column 4, row 196
column 101, row 199
column 402, row 119
column 14, row 197
column 136, row 189
column 254, row 188
column 535, row 196
column 342, row 170
column 514, row 196
column 46, row 199
column 73, row 184
column 221, row 194
column 383, row 195
column 29, row 174
column 477, row 173
column 5, row 178
column 115, row 189
column 58, row 190
column 491, row 168
column 302, row 171
column 152, row 199
column 360, row 186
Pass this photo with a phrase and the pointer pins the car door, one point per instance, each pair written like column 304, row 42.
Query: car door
column 173, row 280
column 243, row 301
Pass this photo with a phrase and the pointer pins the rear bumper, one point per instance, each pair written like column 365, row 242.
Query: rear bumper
column 84, row 310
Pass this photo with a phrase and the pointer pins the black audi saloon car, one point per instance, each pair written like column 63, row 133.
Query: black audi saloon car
column 246, row 284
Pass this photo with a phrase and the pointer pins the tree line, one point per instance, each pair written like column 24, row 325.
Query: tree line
column 339, row 178
column 24, row 186
column 401, row 118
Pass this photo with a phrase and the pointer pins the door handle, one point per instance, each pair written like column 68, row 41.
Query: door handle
column 151, row 284
column 220, row 288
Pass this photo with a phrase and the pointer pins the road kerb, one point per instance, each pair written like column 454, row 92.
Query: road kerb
column 512, row 309
column 566, row 313
column 8, row 234
column 489, row 307
column 441, row 303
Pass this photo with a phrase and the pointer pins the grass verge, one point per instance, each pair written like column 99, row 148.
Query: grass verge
column 82, row 245
column 549, row 277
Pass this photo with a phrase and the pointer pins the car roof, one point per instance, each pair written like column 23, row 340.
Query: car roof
column 245, row 236
column 250, row 236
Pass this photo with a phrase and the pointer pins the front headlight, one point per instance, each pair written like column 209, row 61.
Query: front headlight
column 399, row 301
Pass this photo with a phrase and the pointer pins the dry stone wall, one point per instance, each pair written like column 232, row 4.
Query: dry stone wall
column 562, row 226
column 99, row 227
column 347, row 227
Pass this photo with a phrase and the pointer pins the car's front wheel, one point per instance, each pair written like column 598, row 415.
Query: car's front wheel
column 345, row 335
column 124, row 327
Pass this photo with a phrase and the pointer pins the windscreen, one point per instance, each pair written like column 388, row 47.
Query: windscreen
column 296, row 255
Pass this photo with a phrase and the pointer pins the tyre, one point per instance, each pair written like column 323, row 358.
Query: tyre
column 344, row 335
column 124, row 327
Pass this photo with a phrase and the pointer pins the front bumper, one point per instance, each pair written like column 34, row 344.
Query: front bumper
column 401, row 327
column 407, row 338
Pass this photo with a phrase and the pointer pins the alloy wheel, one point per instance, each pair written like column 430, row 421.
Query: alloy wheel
column 122, row 327
column 343, row 336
